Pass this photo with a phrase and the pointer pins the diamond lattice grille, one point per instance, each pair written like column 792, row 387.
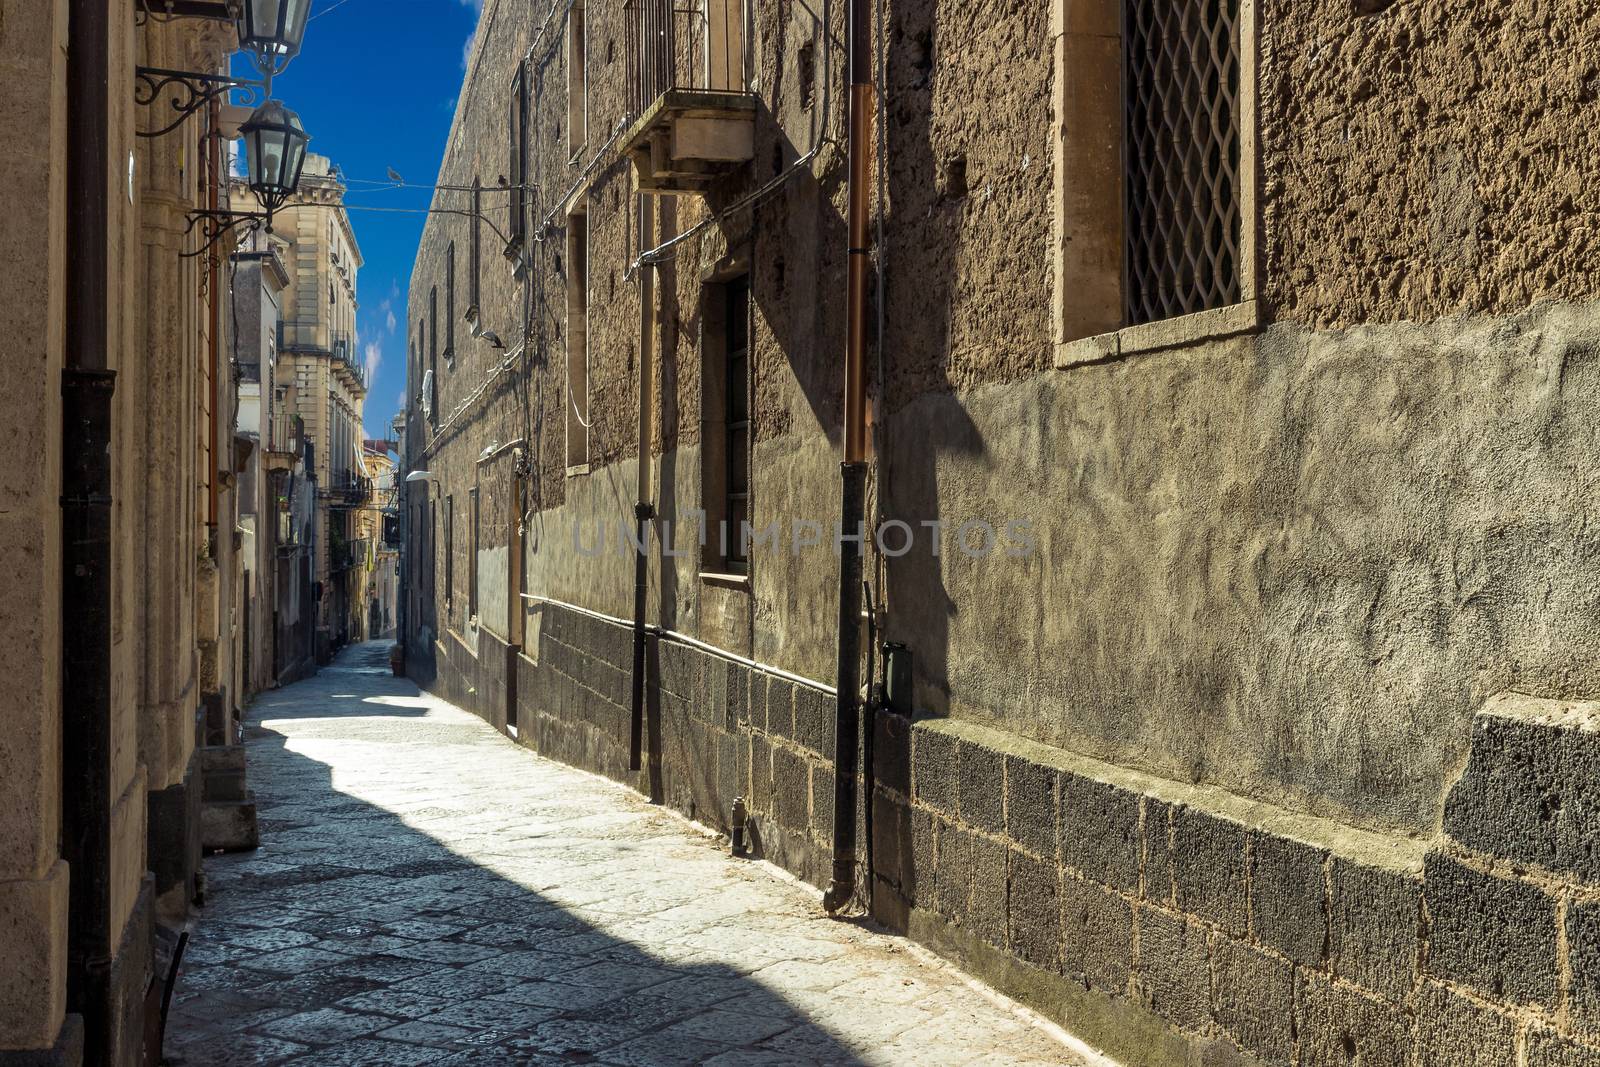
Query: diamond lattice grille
column 1181, row 71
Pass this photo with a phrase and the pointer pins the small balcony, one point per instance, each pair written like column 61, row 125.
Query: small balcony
column 693, row 116
column 284, row 437
column 348, row 491
column 347, row 365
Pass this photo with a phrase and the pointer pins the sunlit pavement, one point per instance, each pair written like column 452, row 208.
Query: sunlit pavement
column 429, row 893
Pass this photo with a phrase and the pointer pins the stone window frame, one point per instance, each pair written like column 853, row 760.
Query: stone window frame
column 1087, row 242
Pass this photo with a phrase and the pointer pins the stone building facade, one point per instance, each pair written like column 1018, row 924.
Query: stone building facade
column 1232, row 389
column 119, row 517
column 278, row 631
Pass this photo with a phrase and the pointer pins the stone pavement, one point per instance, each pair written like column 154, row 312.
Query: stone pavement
column 429, row 893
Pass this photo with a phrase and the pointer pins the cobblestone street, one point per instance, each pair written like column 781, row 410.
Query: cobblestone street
column 429, row 893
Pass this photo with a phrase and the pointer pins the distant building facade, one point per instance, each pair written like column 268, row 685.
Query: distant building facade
column 326, row 381
column 276, row 495
column 1232, row 396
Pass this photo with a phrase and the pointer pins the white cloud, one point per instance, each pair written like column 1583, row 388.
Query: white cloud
column 374, row 357
column 389, row 322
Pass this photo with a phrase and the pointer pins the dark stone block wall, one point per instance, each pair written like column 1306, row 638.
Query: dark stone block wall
column 1168, row 923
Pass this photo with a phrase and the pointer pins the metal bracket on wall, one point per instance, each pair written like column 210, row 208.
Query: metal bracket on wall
column 167, row 10
column 190, row 92
column 214, row 225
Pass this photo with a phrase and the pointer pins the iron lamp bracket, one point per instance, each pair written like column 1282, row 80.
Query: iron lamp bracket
column 214, row 225
column 189, row 92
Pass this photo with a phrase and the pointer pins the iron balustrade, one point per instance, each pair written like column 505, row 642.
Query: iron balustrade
column 694, row 46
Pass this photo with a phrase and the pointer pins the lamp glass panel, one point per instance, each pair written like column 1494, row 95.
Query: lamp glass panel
column 264, row 19
column 294, row 26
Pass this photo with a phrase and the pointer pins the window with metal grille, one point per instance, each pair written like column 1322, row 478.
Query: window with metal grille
column 1181, row 107
column 449, row 551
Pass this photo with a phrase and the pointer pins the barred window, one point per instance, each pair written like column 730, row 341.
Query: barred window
column 450, row 306
column 1181, row 76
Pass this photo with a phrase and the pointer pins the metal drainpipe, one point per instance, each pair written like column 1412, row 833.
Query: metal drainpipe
column 643, row 509
column 853, row 471
column 87, row 389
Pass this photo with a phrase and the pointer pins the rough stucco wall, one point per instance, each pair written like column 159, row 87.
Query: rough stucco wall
column 1290, row 566
column 1439, row 156
column 969, row 179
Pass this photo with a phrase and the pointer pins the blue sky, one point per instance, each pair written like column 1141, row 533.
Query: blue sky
column 375, row 84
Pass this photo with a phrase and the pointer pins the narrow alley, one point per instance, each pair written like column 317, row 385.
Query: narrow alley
column 426, row 892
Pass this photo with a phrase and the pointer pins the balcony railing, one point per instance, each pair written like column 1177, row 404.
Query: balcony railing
column 348, row 492
column 692, row 116
column 698, row 47
column 285, row 433
column 346, row 360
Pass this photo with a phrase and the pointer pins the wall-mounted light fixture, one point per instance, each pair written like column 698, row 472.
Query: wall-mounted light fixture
column 270, row 30
column 275, row 154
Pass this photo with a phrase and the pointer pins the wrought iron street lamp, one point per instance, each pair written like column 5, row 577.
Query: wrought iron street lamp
column 275, row 151
column 271, row 31
column 275, row 154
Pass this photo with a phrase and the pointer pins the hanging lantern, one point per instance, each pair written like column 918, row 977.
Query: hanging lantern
column 271, row 31
column 275, row 150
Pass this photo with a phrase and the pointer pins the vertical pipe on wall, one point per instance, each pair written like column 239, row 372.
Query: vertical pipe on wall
column 643, row 509
column 88, row 385
column 213, row 155
column 853, row 471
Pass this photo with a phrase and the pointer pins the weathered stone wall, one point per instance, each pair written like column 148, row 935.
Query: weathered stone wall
column 1432, row 158
column 1273, row 575
column 33, row 878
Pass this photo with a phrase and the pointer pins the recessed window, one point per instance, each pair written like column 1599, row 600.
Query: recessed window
column 577, row 82
column 472, row 560
column 475, row 249
column 450, row 305
column 517, row 125
column 449, row 551
column 433, row 342
column 725, row 423
column 577, row 338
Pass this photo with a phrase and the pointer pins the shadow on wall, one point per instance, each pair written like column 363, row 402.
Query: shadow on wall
column 927, row 198
column 353, row 870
